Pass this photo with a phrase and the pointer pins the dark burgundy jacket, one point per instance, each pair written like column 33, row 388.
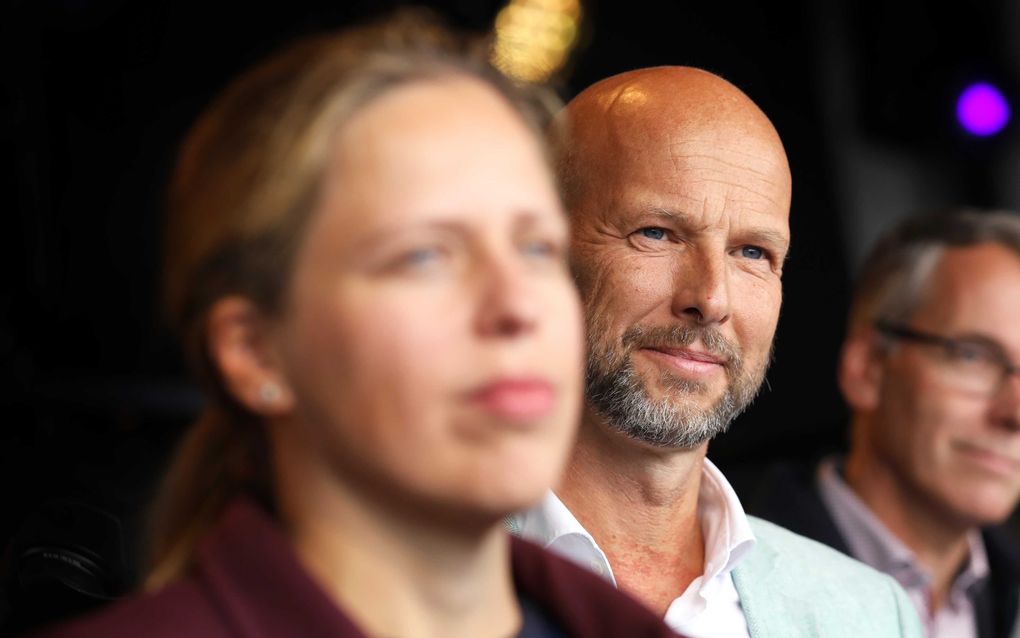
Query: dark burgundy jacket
column 249, row 584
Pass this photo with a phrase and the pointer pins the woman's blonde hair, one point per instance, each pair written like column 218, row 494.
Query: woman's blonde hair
column 247, row 179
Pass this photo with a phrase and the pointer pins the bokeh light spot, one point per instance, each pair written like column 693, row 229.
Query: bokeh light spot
column 982, row 109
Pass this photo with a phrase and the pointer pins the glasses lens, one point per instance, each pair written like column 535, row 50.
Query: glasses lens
column 972, row 367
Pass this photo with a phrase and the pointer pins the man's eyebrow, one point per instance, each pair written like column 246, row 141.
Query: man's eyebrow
column 765, row 236
column 769, row 237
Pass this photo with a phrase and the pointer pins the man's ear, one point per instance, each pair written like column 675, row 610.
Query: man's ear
column 239, row 344
column 861, row 366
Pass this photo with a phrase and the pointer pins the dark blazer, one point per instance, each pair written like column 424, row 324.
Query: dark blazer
column 249, row 584
column 786, row 494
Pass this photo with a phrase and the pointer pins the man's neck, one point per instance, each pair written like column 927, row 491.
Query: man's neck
column 939, row 542
column 640, row 503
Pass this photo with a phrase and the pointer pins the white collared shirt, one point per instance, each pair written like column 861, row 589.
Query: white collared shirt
column 710, row 606
column 871, row 542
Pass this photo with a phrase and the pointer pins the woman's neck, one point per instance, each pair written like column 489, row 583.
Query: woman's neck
column 398, row 573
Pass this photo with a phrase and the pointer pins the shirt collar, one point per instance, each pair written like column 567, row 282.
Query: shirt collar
column 977, row 568
column 549, row 521
column 724, row 525
column 873, row 543
column 726, row 530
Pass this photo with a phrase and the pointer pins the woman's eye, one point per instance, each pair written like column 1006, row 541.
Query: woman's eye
column 540, row 248
column 420, row 257
column 752, row 252
column 653, row 232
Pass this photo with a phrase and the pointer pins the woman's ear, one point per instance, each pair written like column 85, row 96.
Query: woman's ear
column 240, row 346
column 861, row 367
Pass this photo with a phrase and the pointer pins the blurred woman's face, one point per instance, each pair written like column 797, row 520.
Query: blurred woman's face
column 432, row 334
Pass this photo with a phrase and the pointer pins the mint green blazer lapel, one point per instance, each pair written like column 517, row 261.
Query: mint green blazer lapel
column 769, row 610
column 792, row 587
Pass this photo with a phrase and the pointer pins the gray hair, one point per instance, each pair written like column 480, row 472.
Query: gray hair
column 899, row 267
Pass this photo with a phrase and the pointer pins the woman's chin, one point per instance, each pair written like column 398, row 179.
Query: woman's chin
column 524, row 494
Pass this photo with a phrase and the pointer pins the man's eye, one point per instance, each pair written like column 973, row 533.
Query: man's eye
column 971, row 353
column 653, row 232
column 752, row 252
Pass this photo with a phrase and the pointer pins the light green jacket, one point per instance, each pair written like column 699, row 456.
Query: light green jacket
column 794, row 587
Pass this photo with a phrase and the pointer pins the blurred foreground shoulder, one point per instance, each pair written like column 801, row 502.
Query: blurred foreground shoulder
column 580, row 602
column 178, row 610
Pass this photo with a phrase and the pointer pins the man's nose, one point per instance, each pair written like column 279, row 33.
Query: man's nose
column 702, row 287
column 1006, row 404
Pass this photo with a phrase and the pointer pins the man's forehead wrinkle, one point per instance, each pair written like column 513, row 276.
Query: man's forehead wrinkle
column 763, row 223
column 600, row 223
column 757, row 176
column 754, row 196
column 761, row 163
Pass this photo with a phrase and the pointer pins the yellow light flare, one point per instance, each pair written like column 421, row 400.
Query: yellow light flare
column 535, row 37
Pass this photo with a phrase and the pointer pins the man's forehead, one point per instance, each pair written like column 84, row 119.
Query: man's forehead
column 641, row 145
column 963, row 268
column 677, row 131
column 694, row 179
column 973, row 286
column 641, row 136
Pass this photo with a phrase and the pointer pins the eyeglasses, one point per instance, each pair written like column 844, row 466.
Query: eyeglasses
column 975, row 364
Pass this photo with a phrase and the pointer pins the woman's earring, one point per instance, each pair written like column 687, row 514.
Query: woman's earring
column 270, row 392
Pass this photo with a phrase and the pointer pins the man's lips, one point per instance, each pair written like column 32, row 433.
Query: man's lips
column 687, row 360
column 693, row 355
column 515, row 398
column 989, row 458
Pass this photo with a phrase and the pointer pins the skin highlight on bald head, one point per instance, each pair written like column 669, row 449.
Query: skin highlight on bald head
column 679, row 188
column 663, row 110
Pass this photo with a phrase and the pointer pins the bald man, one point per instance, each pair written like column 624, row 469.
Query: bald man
column 678, row 189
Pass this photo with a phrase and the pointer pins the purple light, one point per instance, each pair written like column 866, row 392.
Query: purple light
column 982, row 109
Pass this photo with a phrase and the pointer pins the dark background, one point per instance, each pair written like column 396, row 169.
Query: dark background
column 96, row 95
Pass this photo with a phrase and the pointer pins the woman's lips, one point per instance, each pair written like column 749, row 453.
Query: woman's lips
column 516, row 399
column 689, row 361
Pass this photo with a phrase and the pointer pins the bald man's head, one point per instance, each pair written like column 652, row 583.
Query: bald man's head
column 653, row 109
column 679, row 193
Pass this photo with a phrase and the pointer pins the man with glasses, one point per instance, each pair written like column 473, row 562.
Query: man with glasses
column 930, row 372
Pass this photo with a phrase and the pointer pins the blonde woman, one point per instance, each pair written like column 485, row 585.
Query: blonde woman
column 365, row 261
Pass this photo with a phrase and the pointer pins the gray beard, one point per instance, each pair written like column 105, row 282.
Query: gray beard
column 615, row 390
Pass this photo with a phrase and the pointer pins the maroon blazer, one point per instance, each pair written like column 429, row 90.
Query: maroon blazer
column 248, row 584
